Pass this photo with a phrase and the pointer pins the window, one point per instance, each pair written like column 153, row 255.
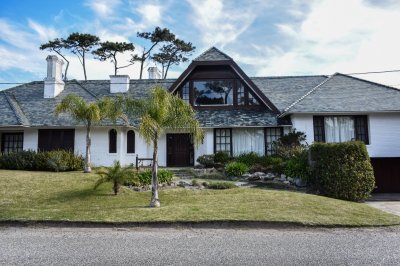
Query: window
column 56, row 139
column 272, row 134
column 251, row 99
column 213, row 92
column 241, row 100
column 130, row 141
column 12, row 142
column 223, row 140
column 247, row 140
column 112, row 141
column 185, row 92
column 340, row 128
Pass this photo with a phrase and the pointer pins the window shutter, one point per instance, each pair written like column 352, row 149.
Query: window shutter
column 361, row 128
column 112, row 141
column 319, row 129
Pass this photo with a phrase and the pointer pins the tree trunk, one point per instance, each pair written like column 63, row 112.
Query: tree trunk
column 88, row 169
column 155, row 202
column 116, row 187
column 141, row 67
column 84, row 66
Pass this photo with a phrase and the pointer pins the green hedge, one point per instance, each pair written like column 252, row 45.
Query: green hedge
column 342, row 170
column 236, row 169
column 56, row 161
column 144, row 178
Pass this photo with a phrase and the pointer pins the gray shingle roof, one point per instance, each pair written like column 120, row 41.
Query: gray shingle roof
column 212, row 54
column 25, row 105
column 342, row 93
column 282, row 91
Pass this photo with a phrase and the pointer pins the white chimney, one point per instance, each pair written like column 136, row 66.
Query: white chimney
column 154, row 73
column 119, row 83
column 53, row 83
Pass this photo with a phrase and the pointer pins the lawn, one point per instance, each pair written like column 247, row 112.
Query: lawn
column 43, row 196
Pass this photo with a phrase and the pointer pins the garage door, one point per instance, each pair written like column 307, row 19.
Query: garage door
column 387, row 174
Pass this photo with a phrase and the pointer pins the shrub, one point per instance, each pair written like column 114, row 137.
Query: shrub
column 221, row 185
column 144, row 178
column 195, row 183
column 291, row 145
column 115, row 174
column 251, row 159
column 342, row 170
column 236, row 169
column 44, row 161
column 276, row 164
column 221, row 157
column 206, row 160
column 298, row 167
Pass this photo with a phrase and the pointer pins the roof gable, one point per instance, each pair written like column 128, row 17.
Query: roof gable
column 224, row 62
column 342, row 93
column 212, row 54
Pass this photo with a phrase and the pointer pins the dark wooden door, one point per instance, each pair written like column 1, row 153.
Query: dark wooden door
column 180, row 151
column 387, row 174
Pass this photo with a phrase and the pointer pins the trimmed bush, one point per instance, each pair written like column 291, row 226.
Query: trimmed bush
column 221, row 185
column 56, row 161
column 144, row 178
column 342, row 170
column 222, row 157
column 251, row 159
column 236, row 169
column 206, row 160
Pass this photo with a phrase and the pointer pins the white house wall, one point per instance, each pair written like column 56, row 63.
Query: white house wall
column 384, row 132
column 30, row 139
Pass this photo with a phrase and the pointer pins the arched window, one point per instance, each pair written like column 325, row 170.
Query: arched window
column 112, row 141
column 130, row 141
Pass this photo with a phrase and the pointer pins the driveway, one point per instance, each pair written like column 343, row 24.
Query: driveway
column 182, row 246
column 388, row 202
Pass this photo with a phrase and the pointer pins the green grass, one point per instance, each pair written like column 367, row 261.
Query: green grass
column 43, row 196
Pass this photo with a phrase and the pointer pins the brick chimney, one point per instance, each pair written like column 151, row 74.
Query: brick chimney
column 154, row 73
column 53, row 83
column 119, row 83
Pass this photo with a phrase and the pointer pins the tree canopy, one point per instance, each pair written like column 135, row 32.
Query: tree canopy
column 57, row 45
column 109, row 50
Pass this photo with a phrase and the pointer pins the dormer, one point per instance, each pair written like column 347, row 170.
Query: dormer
column 214, row 81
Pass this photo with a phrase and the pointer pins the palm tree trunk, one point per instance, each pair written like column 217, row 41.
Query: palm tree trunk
column 155, row 202
column 88, row 169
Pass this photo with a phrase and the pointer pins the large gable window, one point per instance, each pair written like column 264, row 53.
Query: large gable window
column 12, row 142
column 213, row 92
column 333, row 129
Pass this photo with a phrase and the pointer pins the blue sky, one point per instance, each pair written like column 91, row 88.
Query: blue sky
column 266, row 38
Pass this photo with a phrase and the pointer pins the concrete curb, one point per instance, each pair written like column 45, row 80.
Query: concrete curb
column 196, row 225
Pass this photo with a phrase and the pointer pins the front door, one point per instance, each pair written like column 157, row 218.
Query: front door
column 180, row 151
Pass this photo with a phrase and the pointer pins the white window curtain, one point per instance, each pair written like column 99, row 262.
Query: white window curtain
column 339, row 129
column 248, row 140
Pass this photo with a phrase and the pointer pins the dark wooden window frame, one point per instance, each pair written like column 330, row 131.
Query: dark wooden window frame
column 230, row 139
column 112, row 141
column 235, row 104
column 130, row 141
column 16, row 139
column 361, row 127
column 266, row 139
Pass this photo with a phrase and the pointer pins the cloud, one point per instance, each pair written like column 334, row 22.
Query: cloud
column 44, row 33
column 103, row 8
column 221, row 23
column 151, row 14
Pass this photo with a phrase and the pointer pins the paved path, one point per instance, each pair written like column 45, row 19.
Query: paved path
column 388, row 202
column 154, row 246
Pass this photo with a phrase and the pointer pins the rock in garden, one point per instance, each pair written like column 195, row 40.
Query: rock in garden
column 247, row 175
column 299, row 182
column 286, row 182
column 253, row 178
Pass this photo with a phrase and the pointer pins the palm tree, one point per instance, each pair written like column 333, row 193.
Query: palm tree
column 159, row 112
column 89, row 113
column 115, row 174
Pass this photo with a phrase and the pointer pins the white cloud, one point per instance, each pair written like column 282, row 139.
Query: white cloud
column 151, row 14
column 103, row 8
column 219, row 23
column 44, row 33
column 336, row 36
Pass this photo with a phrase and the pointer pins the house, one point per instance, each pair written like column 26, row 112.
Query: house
column 238, row 113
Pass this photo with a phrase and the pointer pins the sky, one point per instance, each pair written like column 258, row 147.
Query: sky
column 265, row 37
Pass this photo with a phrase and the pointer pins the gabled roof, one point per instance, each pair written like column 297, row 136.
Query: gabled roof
column 212, row 54
column 342, row 93
column 7, row 115
column 214, row 57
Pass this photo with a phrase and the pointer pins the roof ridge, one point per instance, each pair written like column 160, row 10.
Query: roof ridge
column 289, row 76
column 208, row 50
column 368, row 81
column 305, row 95
column 19, row 114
